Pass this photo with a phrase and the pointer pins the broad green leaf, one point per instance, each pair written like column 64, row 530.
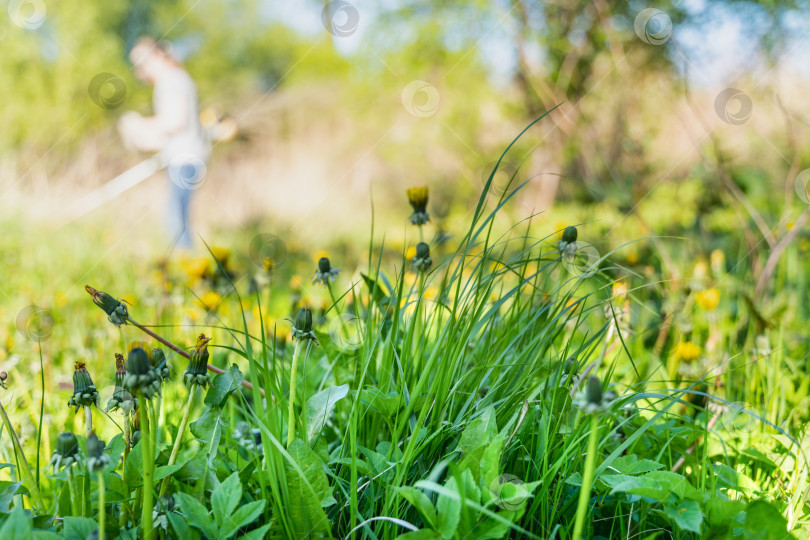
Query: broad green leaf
column 764, row 522
column 448, row 510
column 719, row 512
column 244, row 516
column 179, row 524
column 166, row 470
column 479, row 432
column 7, row 495
column 636, row 485
column 421, row 502
column 421, row 534
column 308, row 490
column 223, row 386
column 676, row 483
column 686, row 515
column 45, row 535
column 208, row 428
column 225, row 498
column 320, row 406
column 133, row 466
column 256, row 534
column 17, row 525
column 196, row 514
column 78, row 528
column 632, row 465
column 385, row 404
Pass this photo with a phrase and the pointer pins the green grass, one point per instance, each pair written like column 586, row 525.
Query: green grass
column 443, row 406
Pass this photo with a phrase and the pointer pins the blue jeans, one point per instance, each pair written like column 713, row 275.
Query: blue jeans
column 177, row 218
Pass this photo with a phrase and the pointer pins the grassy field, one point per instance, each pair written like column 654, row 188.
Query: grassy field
column 519, row 380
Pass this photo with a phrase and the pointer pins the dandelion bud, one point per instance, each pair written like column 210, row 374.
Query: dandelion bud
column 67, row 451
column 422, row 261
column 302, row 327
column 115, row 310
column 141, row 377
column 85, row 392
column 162, row 366
column 593, row 399
column 418, row 197
column 3, row 377
column 97, row 460
column 569, row 234
column 121, row 399
column 325, row 273
column 197, row 371
column 593, row 393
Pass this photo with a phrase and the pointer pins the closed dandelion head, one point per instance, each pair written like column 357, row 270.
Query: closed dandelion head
column 197, row 371
column 97, row 460
column 302, row 326
column 418, row 197
column 116, row 310
column 121, row 398
column 164, row 506
column 250, row 439
column 3, row 378
column 141, row 378
column 421, row 261
column 162, row 366
column 66, row 453
column 569, row 238
column 593, row 399
column 85, row 393
column 325, row 273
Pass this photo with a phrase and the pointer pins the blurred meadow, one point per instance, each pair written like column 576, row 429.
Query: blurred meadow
column 489, row 269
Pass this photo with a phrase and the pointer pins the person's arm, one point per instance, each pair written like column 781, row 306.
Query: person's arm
column 149, row 133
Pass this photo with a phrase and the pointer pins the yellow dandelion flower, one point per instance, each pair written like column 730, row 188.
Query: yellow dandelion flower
column 718, row 262
column 295, row 282
column 701, row 270
column 708, row 298
column 410, row 253
column 129, row 299
column 320, row 254
column 431, row 293
column 687, row 351
column 632, row 257
column 210, row 300
column 222, row 254
column 193, row 314
column 197, row 268
column 619, row 290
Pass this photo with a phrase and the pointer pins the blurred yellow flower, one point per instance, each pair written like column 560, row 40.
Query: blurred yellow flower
column 701, row 270
column 210, row 300
column 718, row 262
column 687, row 351
column 129, row 299
column 320, row 254
column 431, row 293
column 295, row 282
column 410, row 253
column 193, row 314
column 619, row 290
column 221, row 254
column 708, row 299
column 196, row 268
column 632, row 257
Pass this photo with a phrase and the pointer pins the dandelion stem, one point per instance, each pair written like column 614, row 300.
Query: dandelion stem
column 74, row 495
column 293, row 373
column 587, row 478
column 181, row 352
column 181, row 430
column 88, row 416
column 101, row 516
column 147, row 462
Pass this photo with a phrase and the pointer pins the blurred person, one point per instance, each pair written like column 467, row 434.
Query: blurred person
column 174, row 131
